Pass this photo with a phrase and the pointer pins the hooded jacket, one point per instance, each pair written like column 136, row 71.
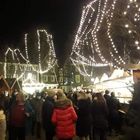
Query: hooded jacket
column 64, row 117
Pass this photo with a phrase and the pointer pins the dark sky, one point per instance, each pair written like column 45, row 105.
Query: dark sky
column 60, row 17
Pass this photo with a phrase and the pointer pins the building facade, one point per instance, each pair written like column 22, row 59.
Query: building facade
column 67, row 77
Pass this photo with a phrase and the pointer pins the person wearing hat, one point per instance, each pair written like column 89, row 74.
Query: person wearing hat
column 64, row 117
column 47, row 110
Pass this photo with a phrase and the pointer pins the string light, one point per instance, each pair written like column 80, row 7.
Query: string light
column 89, row 29
column 50, row 55
column 125, row 13
column 26, row 46
column 136, row 42
column 114, row 53
column 129, row 31
column 87, row 38
column 16, row 60
column 126, row 25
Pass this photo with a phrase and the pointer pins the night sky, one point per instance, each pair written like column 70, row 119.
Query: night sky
column 60, row 17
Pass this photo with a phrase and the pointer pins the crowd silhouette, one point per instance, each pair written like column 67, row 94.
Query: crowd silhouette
column 86, row 115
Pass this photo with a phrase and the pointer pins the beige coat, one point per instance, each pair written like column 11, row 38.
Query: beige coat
column 2, row 125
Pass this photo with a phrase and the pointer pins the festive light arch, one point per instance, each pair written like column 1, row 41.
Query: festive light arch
column 50, row 57
column 87, row 50
column 15, row 59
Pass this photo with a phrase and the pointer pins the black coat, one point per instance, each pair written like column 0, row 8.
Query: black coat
column 47, row 111
column 113, row 110
column 84, row 121
column 100, row 115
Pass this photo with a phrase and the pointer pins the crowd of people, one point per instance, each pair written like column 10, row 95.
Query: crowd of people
column 88, row 115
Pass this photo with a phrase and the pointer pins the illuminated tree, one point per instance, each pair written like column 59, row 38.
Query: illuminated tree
column 108, row 34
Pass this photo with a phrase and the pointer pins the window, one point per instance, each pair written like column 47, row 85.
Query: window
column 77, row 78
column 45, row 78
column 52, row 78
column 61, row 79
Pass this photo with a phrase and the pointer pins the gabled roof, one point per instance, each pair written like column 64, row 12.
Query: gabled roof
column 3, row 84
column 13, row 83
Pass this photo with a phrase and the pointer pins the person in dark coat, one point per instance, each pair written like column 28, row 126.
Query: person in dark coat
column 100, row 117
column 113, row 112
column 47, row 110
column 20, row 118
column 37, row 105
column 84, row 121
column 108, row 101
column 107, row 97
column 64, row 117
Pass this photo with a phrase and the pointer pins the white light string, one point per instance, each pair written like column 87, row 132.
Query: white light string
column 16, row 53
column 87, row 34
column 16, row 59
column 80, row 41
column 117, row 58
column 51, row 54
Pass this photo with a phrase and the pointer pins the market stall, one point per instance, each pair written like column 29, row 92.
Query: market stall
column 119, row 82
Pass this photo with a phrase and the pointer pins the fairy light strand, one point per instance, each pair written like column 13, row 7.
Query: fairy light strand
column 51, row 53
column 87, row 34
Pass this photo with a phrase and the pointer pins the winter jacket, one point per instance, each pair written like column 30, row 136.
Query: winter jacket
column 37, row 106
column 27, row 119
column 100, row 115
column 64, row 117
column 84, row 121
column 47, row 111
